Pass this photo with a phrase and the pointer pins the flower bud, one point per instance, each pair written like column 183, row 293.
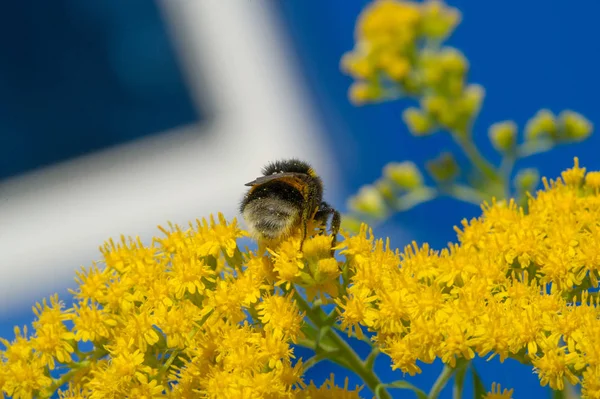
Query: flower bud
column 503, row 135
column 527, row 180
column 434, row 106
column 542, row 124
column 356, row 66
column 405, row 175
column 443, row 168
column 472, row 99
column 386, row 189
column 453, row 61
column 362, row 92
column 419, row 124
column 398, row 68
column 438, row 20
column 574, row 126
column 351, row 223
column 368, row 201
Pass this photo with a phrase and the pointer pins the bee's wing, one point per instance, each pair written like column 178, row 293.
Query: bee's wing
column 276, row 176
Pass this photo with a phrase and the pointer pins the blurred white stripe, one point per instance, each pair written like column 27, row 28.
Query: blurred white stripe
column 53, row 220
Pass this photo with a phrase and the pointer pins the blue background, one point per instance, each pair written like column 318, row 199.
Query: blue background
column 528, row 55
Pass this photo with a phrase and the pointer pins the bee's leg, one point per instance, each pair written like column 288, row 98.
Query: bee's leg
column 336, row 221
column 323, row 213
column 321, row 217
column 304, row 227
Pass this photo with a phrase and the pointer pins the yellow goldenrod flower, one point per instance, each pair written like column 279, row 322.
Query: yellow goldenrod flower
column 329, row 391
column 553, row 366
column 322, row 275
column 506, row 289
column 356, row 309
column 74, row 392
column 193, row 315
column 287, row 262
column 24, row 379
column 280, row 317
column 590, row 387
column 574, row 176
column 497, row 393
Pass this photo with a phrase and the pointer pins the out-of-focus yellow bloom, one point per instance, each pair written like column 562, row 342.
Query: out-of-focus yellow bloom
column 418, row 122
column 368, row 201
column 438, row 20
column 405, row 175
column 527, row 180
column 574, row 126
column 503, row 135
column 443, row 168
column 389, row 47
column 541, row 125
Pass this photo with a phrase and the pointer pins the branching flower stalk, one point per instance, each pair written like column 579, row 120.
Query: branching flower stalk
column 194, row 315
column 400, row 53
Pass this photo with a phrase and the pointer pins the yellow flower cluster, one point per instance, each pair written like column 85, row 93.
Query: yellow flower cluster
column 188, row 316
column 397, row 53
column 517, row 285
column 191, row 315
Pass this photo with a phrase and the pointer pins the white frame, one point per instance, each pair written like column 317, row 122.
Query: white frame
column 53, row 220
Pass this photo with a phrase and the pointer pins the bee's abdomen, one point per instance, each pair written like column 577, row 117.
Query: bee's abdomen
column 273, row 209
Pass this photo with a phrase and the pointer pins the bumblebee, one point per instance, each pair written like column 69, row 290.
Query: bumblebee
column 288, row 196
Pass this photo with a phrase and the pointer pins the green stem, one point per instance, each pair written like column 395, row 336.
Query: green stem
column 445, row 376
column 314, row 360
column 506, row 168
column 351, row 359
column 586, row 284
column 534, row 147
column 415, row 197
column 471, row 151
column 465, row 194
column 370, row 360
column 459, row 382
column 75, row 368
column 441, row 382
